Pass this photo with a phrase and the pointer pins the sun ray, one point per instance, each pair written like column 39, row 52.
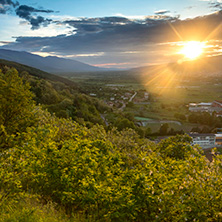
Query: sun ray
column 217, row 29
column 175, row 31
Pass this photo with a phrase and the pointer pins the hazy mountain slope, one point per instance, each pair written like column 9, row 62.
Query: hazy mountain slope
column 35, row 72
column 50, row 64
column 203, row 66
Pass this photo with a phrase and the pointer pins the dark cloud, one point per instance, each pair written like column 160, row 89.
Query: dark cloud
column 96, row 25
column 2, row 10
column 9, row 2
column 162, row 12
column 116, row 24
column 123, row 39
column 216, row 5
column 26, row 12
column 5, row 6
column 190, row 7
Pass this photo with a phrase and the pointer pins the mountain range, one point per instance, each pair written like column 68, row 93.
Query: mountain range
column 50, row 64
column 207, row 66
column 61, row 66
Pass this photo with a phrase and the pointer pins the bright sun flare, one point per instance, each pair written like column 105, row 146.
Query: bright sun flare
column 192, row 49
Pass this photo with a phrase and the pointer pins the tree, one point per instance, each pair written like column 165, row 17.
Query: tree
column 130, row 104
column 148, row 131
column 193, row 118
column 180, row 116
column 163, row 129
column 16, row 105
column 177, row 147
column 172, row 131
column 122, row 123
column 196, row 129
column 129, row 116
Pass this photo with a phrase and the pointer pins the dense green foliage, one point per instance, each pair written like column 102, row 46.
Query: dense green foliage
column 59, row 95
column 66, row 102
column 16, row 106
column 205, row 118
column 99, row 175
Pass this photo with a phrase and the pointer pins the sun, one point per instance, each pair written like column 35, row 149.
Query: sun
column 192, row 49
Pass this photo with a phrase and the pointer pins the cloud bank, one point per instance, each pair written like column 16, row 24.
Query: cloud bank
column 116, row 39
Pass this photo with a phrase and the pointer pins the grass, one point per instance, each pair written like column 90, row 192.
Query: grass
column 142, row 118
column 30, row 209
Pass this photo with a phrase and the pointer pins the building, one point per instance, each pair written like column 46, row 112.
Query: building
column 200, row 107
column 218, row 140
column 219, row 114
column 217, row 103
column 216, row 106
column 204, row 140
column 146, row 95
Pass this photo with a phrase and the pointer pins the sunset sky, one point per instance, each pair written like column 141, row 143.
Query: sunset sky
column 117, row 34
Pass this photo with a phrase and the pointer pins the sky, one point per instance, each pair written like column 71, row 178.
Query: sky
column 114, row 34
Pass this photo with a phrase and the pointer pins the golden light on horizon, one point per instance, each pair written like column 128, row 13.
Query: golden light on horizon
column 192, row 49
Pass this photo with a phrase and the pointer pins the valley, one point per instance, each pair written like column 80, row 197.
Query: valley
column 154, row 102
column 110, row 111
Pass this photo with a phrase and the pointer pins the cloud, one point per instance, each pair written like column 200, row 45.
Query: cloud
column 216, row 5
column 9, row 2
column 122, row 40
column 115, row 24
column 5, row 6
column 96, row 25
column 161, row 12
column 110, row 65
column 25, row 12
column 190, row 7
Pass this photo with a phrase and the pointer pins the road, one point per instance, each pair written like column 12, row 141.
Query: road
column 130, row 100
column 132, row 97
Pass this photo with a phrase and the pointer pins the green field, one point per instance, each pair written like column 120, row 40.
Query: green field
column 200, row 89
column 165, row 100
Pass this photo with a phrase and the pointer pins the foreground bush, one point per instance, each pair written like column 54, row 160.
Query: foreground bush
column 100, row 178
column 104, row 176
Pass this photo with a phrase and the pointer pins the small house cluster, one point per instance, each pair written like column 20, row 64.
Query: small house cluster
column 215, row 106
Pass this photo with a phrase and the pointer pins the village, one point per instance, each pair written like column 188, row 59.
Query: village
column 120, row 98
column 212, row 107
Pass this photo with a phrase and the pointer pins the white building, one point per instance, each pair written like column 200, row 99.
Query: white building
column 200, row 107
column 204, row 140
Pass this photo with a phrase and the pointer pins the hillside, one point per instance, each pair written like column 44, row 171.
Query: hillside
column 51, row 64
column 35, row 72
column 59, row 95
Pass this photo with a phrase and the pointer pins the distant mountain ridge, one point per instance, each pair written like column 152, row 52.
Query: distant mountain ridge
column 36, row 72
column 51, row 64
column 207, row 66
